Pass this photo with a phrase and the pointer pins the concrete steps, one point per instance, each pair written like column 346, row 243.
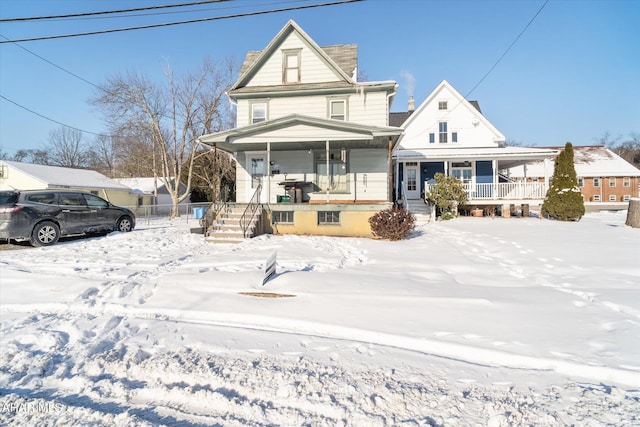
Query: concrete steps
column 227, row 227
column 424, row 213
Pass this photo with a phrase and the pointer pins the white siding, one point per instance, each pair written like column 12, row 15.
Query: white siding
column 313, row 69
column 472, row 128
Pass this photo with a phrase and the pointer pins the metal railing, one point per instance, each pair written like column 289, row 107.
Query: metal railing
column 250, row 211
column 403, row 196
column 503, row 191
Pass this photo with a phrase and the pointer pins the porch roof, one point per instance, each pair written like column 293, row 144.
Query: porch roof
column 300, row 132
column 506, row 156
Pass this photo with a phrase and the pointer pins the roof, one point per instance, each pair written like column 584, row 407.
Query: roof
column 506, row 156
column 589, row 160
column 398, row 118
column 57, row 176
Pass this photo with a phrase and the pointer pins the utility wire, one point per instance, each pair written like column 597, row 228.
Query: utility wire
column 167, row 24
column 106, row 12
column 49, row 118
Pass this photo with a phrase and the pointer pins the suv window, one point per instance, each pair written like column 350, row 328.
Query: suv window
column 7, row 197
column 48, row 198
column 72, row 199
column 96, row 201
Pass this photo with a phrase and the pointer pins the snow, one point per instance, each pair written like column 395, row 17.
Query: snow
column 475, row 321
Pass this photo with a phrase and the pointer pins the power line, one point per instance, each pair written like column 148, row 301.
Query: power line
column 49, row 118
column 106, row 12
column 192, row 21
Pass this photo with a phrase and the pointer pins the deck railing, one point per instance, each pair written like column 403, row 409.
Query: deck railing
column 504, row 191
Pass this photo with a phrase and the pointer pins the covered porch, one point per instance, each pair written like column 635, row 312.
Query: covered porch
column 482, row 172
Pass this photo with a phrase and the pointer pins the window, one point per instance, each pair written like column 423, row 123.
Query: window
column 462, row 172
column 596, row 182
column 626, row 198
column 257, row 171
column 580, row 181
column 47, row 198
column 612, row 182
column 454, row 136
column 626, row 182
column 291, row 66
column 596, row 198
column 432, row 138
column 96, row 201
column 72, row 199
column 612, row 197
column 329, row 218
column 258, row 112
column 442, row 105
column 442, row 126
column 336, row 179
column 338, row 109
column 282, row 217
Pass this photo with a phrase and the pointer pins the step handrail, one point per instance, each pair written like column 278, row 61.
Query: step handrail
column 211, row 213
column 250, row 211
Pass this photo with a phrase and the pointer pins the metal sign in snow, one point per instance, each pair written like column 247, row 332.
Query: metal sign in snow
column 269, row 268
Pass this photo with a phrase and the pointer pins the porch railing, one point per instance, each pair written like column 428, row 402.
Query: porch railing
column 503, row 191
column 250, row 211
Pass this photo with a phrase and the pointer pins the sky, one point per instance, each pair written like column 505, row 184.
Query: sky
column 572, row 75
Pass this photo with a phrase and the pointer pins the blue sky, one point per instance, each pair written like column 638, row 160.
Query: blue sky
column 572, row 76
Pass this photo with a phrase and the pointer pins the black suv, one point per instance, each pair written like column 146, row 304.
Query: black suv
column 42, row 216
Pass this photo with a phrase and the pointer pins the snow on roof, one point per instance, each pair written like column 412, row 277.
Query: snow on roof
column 589, row 161
column 57, row 176
column 145, row 185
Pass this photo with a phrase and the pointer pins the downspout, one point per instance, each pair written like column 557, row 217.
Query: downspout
column 328, row 173
column 390, row 149
column 268, row 167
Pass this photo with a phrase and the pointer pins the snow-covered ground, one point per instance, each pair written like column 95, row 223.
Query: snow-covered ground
column 475, row 321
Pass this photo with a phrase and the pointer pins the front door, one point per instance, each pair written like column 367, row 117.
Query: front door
column 411, row 180
column 257, row 170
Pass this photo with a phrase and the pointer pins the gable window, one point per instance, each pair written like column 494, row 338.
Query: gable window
column 338, row 109
column 626, row 182
column 442, row 105
column 291, row 66
column 258, row 112
column 442, row 128
column 580, row 181
column 454, row 136
column 612, row 182
column 329, row 218
column 336, row 179
column 432, row 138
column 596, row 182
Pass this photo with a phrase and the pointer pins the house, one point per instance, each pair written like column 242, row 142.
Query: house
column 451, row 135
column 312, row 144
column 27, row 176
column 603, row 176
column 154, row 192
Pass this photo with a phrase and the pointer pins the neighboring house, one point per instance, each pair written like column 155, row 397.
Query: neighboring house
column 153, row 192
column 450, row 135
column 312, row 143
column 27, row 176
column 603, row 176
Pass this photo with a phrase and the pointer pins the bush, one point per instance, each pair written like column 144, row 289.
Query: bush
column 564, row 200
column 392, row 224
column 447, row 194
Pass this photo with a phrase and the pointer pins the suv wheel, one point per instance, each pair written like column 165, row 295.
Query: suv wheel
column 45, row 234
column 124, row 224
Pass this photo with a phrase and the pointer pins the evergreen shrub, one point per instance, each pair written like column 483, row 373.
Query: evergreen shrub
column 564, row 200
column 392, row 224
column 447, row 194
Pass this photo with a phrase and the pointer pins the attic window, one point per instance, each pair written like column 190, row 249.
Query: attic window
column 442, row 105
column 291, row 66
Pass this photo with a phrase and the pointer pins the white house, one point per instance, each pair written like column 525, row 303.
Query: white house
column 154, row 189
column 311, row 140
column 450, row 135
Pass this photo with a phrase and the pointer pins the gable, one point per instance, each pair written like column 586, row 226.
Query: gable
column 462, row 117
column 316, row 65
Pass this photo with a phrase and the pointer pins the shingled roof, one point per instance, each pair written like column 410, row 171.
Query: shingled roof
column 344, row 55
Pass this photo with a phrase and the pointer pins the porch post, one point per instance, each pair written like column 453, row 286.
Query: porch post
column 546, row 175
column 390, row 172
column 326, row 148
column 268, row 173
column 494, row 166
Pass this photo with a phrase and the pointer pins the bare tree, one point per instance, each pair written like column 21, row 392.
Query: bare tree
column 67, row 148
column 170, row 116
column 628, row 149
column 213, row 176
column 3, row 154
column 39, row 157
